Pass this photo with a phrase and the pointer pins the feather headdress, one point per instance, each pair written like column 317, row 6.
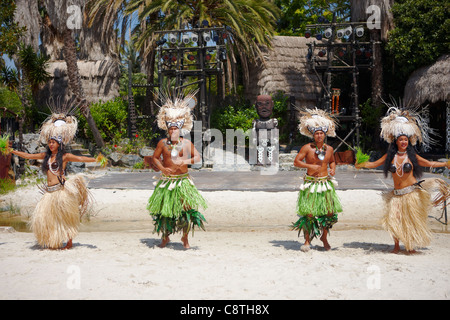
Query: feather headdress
column 176, row 112
column 406, row 121
column 61, row 125
column 313, row 120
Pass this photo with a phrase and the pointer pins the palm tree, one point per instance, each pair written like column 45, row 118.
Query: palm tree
column 252, row 22
column 75, row 84
column 55, row 17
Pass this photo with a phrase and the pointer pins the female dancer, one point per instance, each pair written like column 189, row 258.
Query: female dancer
column 56, row 218
column 408, row 204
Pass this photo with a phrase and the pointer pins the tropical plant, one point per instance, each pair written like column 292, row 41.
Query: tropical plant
column 10, row 31
column 110, row 117
column 10, row 102
column 251, row 23
column 421, row 33
column 237, row 116
column 4, row 145
column 295, row 15
column 34, row 66
column 9, row 77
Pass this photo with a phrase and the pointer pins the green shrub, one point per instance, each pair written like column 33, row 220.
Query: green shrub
column 6, row 185
column 110, row 118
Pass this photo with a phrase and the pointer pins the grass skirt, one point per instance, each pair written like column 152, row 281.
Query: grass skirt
column 174, row 205
column 317, row 205
column 406, row 215
column 57, row 216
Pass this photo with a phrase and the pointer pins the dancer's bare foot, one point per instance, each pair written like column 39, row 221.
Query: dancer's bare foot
column 164, row 242
column 396, row 247
column 184, row 239
column 68, row 245
column 305, row 247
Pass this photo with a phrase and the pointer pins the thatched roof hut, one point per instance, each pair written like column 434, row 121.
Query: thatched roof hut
column 429, row 84
column 99, row 79
column 285, row 69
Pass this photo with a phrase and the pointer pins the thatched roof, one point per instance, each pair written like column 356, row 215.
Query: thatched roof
column 99, row 78
column 429, row 84
column 285, row 69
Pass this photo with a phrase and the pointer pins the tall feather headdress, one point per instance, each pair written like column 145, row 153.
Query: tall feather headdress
column 176, row 111
column 406, row 121
column 312, row 120
column 61, row 125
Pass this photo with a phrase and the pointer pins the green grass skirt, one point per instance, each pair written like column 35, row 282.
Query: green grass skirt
column 174, row 205
column 317, row 206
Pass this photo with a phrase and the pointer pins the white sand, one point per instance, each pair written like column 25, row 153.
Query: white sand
column 247, row 252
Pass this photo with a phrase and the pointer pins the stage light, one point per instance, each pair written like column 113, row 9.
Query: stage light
column 166, row 57
column 174, row 58
column 368, row 54
column 206, row 36
column 191, row 57
column 216, row 37
column 341, row 53
column 307, row 34
column 340, row 33
column 205, row 23
column 359, row 51
column 348, row 31
column 185, row 38
column 319, row 36
column 172, row 38
column 322, row 53
column 359, row 31
column 194, row 37
column 328, row 33
column 208, row 57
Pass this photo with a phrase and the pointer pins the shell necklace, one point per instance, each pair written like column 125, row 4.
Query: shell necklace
column 399, row 167
column 321, row 152
column 175, row 148
column 53, row 167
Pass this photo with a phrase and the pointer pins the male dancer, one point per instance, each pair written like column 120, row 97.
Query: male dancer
column 317, row 203
column 175, row 200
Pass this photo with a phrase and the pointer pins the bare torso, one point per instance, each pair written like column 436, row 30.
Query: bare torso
column 175, row 163
column 315, row 166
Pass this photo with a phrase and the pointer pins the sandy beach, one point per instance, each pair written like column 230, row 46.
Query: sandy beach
column 247, row 253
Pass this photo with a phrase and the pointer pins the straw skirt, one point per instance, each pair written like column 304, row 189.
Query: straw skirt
column 174, row 205
column 57, row 216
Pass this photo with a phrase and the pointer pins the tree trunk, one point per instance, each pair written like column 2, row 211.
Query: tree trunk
column 73, row 74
